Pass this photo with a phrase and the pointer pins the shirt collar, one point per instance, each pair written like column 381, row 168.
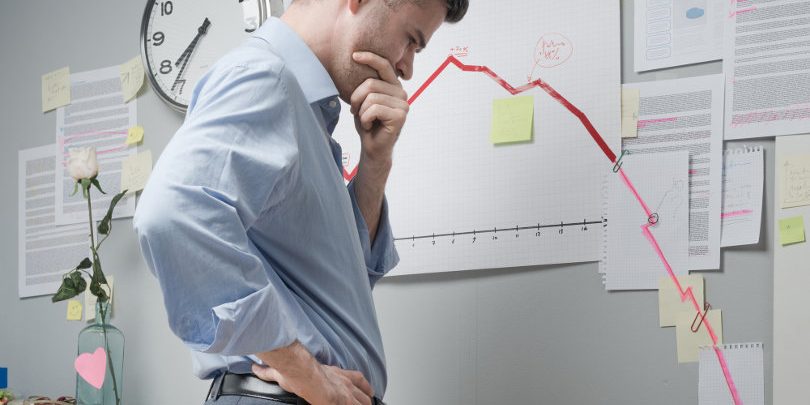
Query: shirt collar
column 299, row 58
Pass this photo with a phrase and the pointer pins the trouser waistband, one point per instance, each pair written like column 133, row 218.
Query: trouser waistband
column 248, row 385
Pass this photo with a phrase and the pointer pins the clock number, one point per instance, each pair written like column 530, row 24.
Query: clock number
column 158, row 38
column 166, row 8
column 166, row 66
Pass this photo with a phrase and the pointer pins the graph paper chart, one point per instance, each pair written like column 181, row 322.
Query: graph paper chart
column 745, row 362
column 458, row 202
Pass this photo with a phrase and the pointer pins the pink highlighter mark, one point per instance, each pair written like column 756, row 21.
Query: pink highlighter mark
column 645, row 229
column 736, row 213
column 643, row 123
column 611, row 156
column 732, row 14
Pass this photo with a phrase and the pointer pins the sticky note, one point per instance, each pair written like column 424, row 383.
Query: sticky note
column 90, row 299
column 630, row 106
column 3, row 377
column 74, row 310
column 512, row 120
column 56, row 89
column 795, row 181
column 689, row 342
column 134, row 135
column 669, row 297
column 791, row 230
column 132, row 74
column 135, row 171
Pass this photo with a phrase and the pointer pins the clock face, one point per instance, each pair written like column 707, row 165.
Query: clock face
column 181, row 39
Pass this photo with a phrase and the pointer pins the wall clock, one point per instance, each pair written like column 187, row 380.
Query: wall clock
column 181, row 39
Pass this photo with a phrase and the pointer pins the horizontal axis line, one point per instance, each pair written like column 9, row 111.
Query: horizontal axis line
column 495, row 230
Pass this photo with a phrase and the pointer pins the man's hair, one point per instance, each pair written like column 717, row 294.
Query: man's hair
column 456, row 9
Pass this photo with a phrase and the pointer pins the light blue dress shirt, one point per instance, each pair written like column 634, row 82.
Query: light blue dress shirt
column 248, row 226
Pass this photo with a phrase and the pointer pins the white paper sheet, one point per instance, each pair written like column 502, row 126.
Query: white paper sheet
column 743, row 180
column 745, row 364
column 45, row 250
column 455, row 199
column 97, row 116
column 662, row 181
column 767, row 62
column 686, row 114
column 677, row 32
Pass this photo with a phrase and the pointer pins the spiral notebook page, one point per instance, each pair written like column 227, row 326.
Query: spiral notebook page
column 743, row 178
column 745, row 363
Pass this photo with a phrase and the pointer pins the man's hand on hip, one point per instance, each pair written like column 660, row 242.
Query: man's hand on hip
column 296, row 371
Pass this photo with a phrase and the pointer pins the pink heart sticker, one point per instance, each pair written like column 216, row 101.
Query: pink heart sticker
column 92, row 367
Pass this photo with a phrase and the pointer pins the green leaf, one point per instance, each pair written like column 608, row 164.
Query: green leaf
column 95, row 289
column 98, row 275
column 78, row 281
column 75, row 188
column 65, row 291
column 85, row 264
column 104, row 225
column 94, row 181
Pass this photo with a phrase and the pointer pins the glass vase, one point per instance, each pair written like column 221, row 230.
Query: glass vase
column 90, row 339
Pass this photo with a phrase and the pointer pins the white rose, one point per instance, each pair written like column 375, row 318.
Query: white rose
column 82, row 163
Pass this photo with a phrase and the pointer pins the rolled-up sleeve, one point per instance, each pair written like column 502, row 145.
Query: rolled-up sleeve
column 381, row 256
column 231, row 161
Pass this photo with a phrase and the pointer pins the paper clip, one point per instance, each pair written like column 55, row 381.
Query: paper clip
column 706, row 308
column 618, row 165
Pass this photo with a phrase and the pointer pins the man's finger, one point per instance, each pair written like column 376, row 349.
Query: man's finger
column 265, row 373
column 375, row 86
column 383, row 99
column 360, row 382
column 361, row 397
column 393, row 119
column 378, row 63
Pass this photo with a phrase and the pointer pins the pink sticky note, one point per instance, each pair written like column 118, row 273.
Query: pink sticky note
column 92, row 367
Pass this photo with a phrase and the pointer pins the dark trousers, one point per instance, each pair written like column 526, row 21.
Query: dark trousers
column 219, row 394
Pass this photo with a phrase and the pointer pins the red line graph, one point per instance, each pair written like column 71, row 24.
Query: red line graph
column 539, row 83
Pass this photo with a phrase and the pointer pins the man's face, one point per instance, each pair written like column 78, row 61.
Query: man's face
column 396, row 34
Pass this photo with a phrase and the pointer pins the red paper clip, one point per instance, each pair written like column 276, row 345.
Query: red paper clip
column 706, row 308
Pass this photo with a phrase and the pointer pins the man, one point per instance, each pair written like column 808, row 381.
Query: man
column 265, row 259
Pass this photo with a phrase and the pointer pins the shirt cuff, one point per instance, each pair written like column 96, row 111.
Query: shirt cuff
column 382, row 256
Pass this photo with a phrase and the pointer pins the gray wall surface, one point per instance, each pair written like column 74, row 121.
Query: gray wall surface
column 537, row 335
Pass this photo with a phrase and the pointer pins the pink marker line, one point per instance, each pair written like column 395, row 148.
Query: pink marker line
column 600, row 142
column 645, row 229
column 643, row 123
column 732, row 14
column 736, row 213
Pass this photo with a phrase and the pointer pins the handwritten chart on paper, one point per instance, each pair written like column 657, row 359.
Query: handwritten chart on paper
column 458, row 202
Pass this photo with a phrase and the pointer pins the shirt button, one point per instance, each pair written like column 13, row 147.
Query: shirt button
column 332, row 104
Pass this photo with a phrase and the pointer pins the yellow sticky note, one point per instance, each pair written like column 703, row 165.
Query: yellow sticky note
column 512, row 119
column 795, row 181
column 689, row 342
column 74, row 310
column 630, row 106
column 135, row 171
column 791, row 230
column 56, row 89
column 131, row 78
column 134, row 135
column 669, row 297
column 90, row 299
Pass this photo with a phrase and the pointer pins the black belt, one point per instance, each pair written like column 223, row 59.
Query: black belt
column 248, row 385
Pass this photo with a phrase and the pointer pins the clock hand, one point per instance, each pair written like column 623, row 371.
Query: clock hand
column 190, row 48
column 186, row 56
